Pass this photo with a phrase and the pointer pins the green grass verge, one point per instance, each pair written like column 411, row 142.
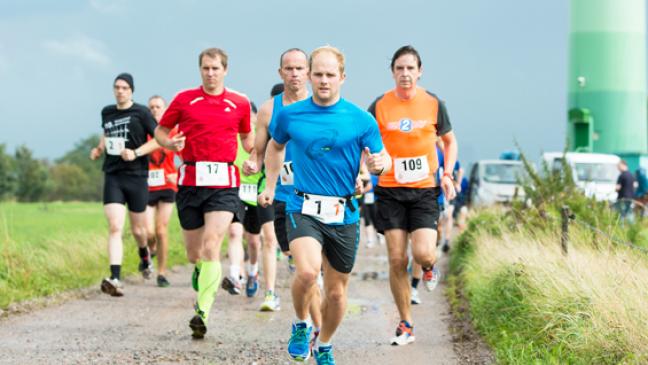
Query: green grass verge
column 532, row 305
column 46, row 248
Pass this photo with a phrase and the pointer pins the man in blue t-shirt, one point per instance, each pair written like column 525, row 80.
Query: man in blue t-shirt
column 328, row 136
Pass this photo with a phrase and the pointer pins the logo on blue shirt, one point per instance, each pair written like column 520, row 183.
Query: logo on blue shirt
column 406, row 125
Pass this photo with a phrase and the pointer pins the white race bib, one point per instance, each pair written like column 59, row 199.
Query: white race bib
column 212, row 174
column 248, row 192
column 327, row 209
column 156, row 177
column 411, row 169
column 369, row 198
column 115, row 145
column 286, row 175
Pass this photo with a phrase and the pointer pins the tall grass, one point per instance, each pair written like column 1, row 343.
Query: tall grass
column 48, row 248
column 535, row 305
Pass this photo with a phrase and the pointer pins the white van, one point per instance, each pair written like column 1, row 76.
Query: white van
column 495, row 181
column 594, row 173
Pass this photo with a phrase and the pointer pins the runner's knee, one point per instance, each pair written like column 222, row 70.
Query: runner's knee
column 398, row 263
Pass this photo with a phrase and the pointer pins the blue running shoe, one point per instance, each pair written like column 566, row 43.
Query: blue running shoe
column 298, row 345
column 252, row 286
column 324, row 355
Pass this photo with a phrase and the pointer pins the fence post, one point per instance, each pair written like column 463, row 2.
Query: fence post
column 564, row 237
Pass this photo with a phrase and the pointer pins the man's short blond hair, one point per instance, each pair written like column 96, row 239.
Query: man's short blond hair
column 213, row 53
column 336, row 52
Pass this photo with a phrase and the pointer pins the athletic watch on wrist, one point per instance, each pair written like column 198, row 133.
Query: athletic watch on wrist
column 136, row 153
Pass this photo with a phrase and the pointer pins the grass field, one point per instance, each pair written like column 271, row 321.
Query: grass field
column 46, row 248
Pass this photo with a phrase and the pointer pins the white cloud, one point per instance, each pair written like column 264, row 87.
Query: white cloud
column 83, row 47
column 108, row 6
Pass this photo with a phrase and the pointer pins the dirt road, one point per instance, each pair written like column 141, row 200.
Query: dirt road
column 150, row 325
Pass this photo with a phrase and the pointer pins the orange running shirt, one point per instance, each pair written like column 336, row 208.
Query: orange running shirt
column 161, row 164
column 409, row 129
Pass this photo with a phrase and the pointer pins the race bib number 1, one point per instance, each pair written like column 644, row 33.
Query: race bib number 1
column 286, row 175
column 156, row 177
column 115, row 145
column 411, row 169
column 212, row 174
column 248, row 192
column 327, row 209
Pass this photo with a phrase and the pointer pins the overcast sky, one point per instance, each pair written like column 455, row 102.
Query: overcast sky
column 500, row 66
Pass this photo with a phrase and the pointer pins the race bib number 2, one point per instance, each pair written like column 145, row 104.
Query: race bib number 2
column 156, row 177
column 115, row 145
column 411, row 169
column 327, row 209
column 287, row 175
column 212, row 174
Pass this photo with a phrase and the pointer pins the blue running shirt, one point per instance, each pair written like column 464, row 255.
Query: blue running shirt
column 327, row 144
column 283, row 189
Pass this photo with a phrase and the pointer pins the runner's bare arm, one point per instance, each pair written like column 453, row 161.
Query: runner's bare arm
column 97, row 151
column 378, row 163
column 143, row 150
column 175, row 143
column 247, row 140
column 253, row 165
column 450, row 159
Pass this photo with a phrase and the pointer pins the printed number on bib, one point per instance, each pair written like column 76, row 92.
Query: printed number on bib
column 248, row 192
column 156, row 177
column 411, row 169
column 287, row 175
column 369, row 198
column 115, row 145
column 327, row 209
column 212, row 174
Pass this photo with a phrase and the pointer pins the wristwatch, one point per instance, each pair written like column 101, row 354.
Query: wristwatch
column 136, row 153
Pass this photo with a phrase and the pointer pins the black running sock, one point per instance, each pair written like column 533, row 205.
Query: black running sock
column 415, row 282
column 115, row 272
column 144, row 254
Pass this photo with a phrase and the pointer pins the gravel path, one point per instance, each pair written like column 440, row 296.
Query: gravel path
column 150, row 325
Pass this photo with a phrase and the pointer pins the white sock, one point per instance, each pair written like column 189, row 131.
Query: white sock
column 319, row 344
column 235, row 271
column 307, row 321
column 253, row 269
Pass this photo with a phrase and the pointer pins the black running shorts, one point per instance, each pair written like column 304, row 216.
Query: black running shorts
column 339, row 242
column 406, row 208
column 256, row 217
column 194, row 201
column 126, row 189
column 164, row 196
column 281, row 230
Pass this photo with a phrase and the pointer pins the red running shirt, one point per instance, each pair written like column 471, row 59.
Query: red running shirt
column 211, row 124
column 161, row 165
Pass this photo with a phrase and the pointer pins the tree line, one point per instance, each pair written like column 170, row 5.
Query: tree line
column 72, row 177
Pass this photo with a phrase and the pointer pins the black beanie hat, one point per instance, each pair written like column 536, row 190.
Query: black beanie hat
column 128, row 78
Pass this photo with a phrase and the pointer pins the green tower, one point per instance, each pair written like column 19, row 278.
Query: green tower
column 607, row 78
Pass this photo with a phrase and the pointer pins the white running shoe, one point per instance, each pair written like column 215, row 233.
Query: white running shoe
column 431, row 278
column 271, row 303
column 415, row 297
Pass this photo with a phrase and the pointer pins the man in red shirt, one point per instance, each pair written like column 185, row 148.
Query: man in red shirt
column 208, row 119
column 162, row 189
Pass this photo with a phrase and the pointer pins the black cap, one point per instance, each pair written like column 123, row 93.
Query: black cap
column 128, row 78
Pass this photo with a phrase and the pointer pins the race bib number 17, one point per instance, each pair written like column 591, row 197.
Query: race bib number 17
column 411, row 169
column 212, row 174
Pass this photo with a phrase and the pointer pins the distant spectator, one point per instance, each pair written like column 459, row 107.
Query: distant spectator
column 626, row 191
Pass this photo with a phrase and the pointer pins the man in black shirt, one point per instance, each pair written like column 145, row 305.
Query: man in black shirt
column 125, row 127
column 625, row 188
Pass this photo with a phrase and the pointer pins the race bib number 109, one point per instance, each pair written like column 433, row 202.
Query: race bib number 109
column 411, row 169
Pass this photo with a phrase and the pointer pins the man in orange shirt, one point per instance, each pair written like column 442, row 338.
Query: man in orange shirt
column 162, row 189
column 410, row 121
